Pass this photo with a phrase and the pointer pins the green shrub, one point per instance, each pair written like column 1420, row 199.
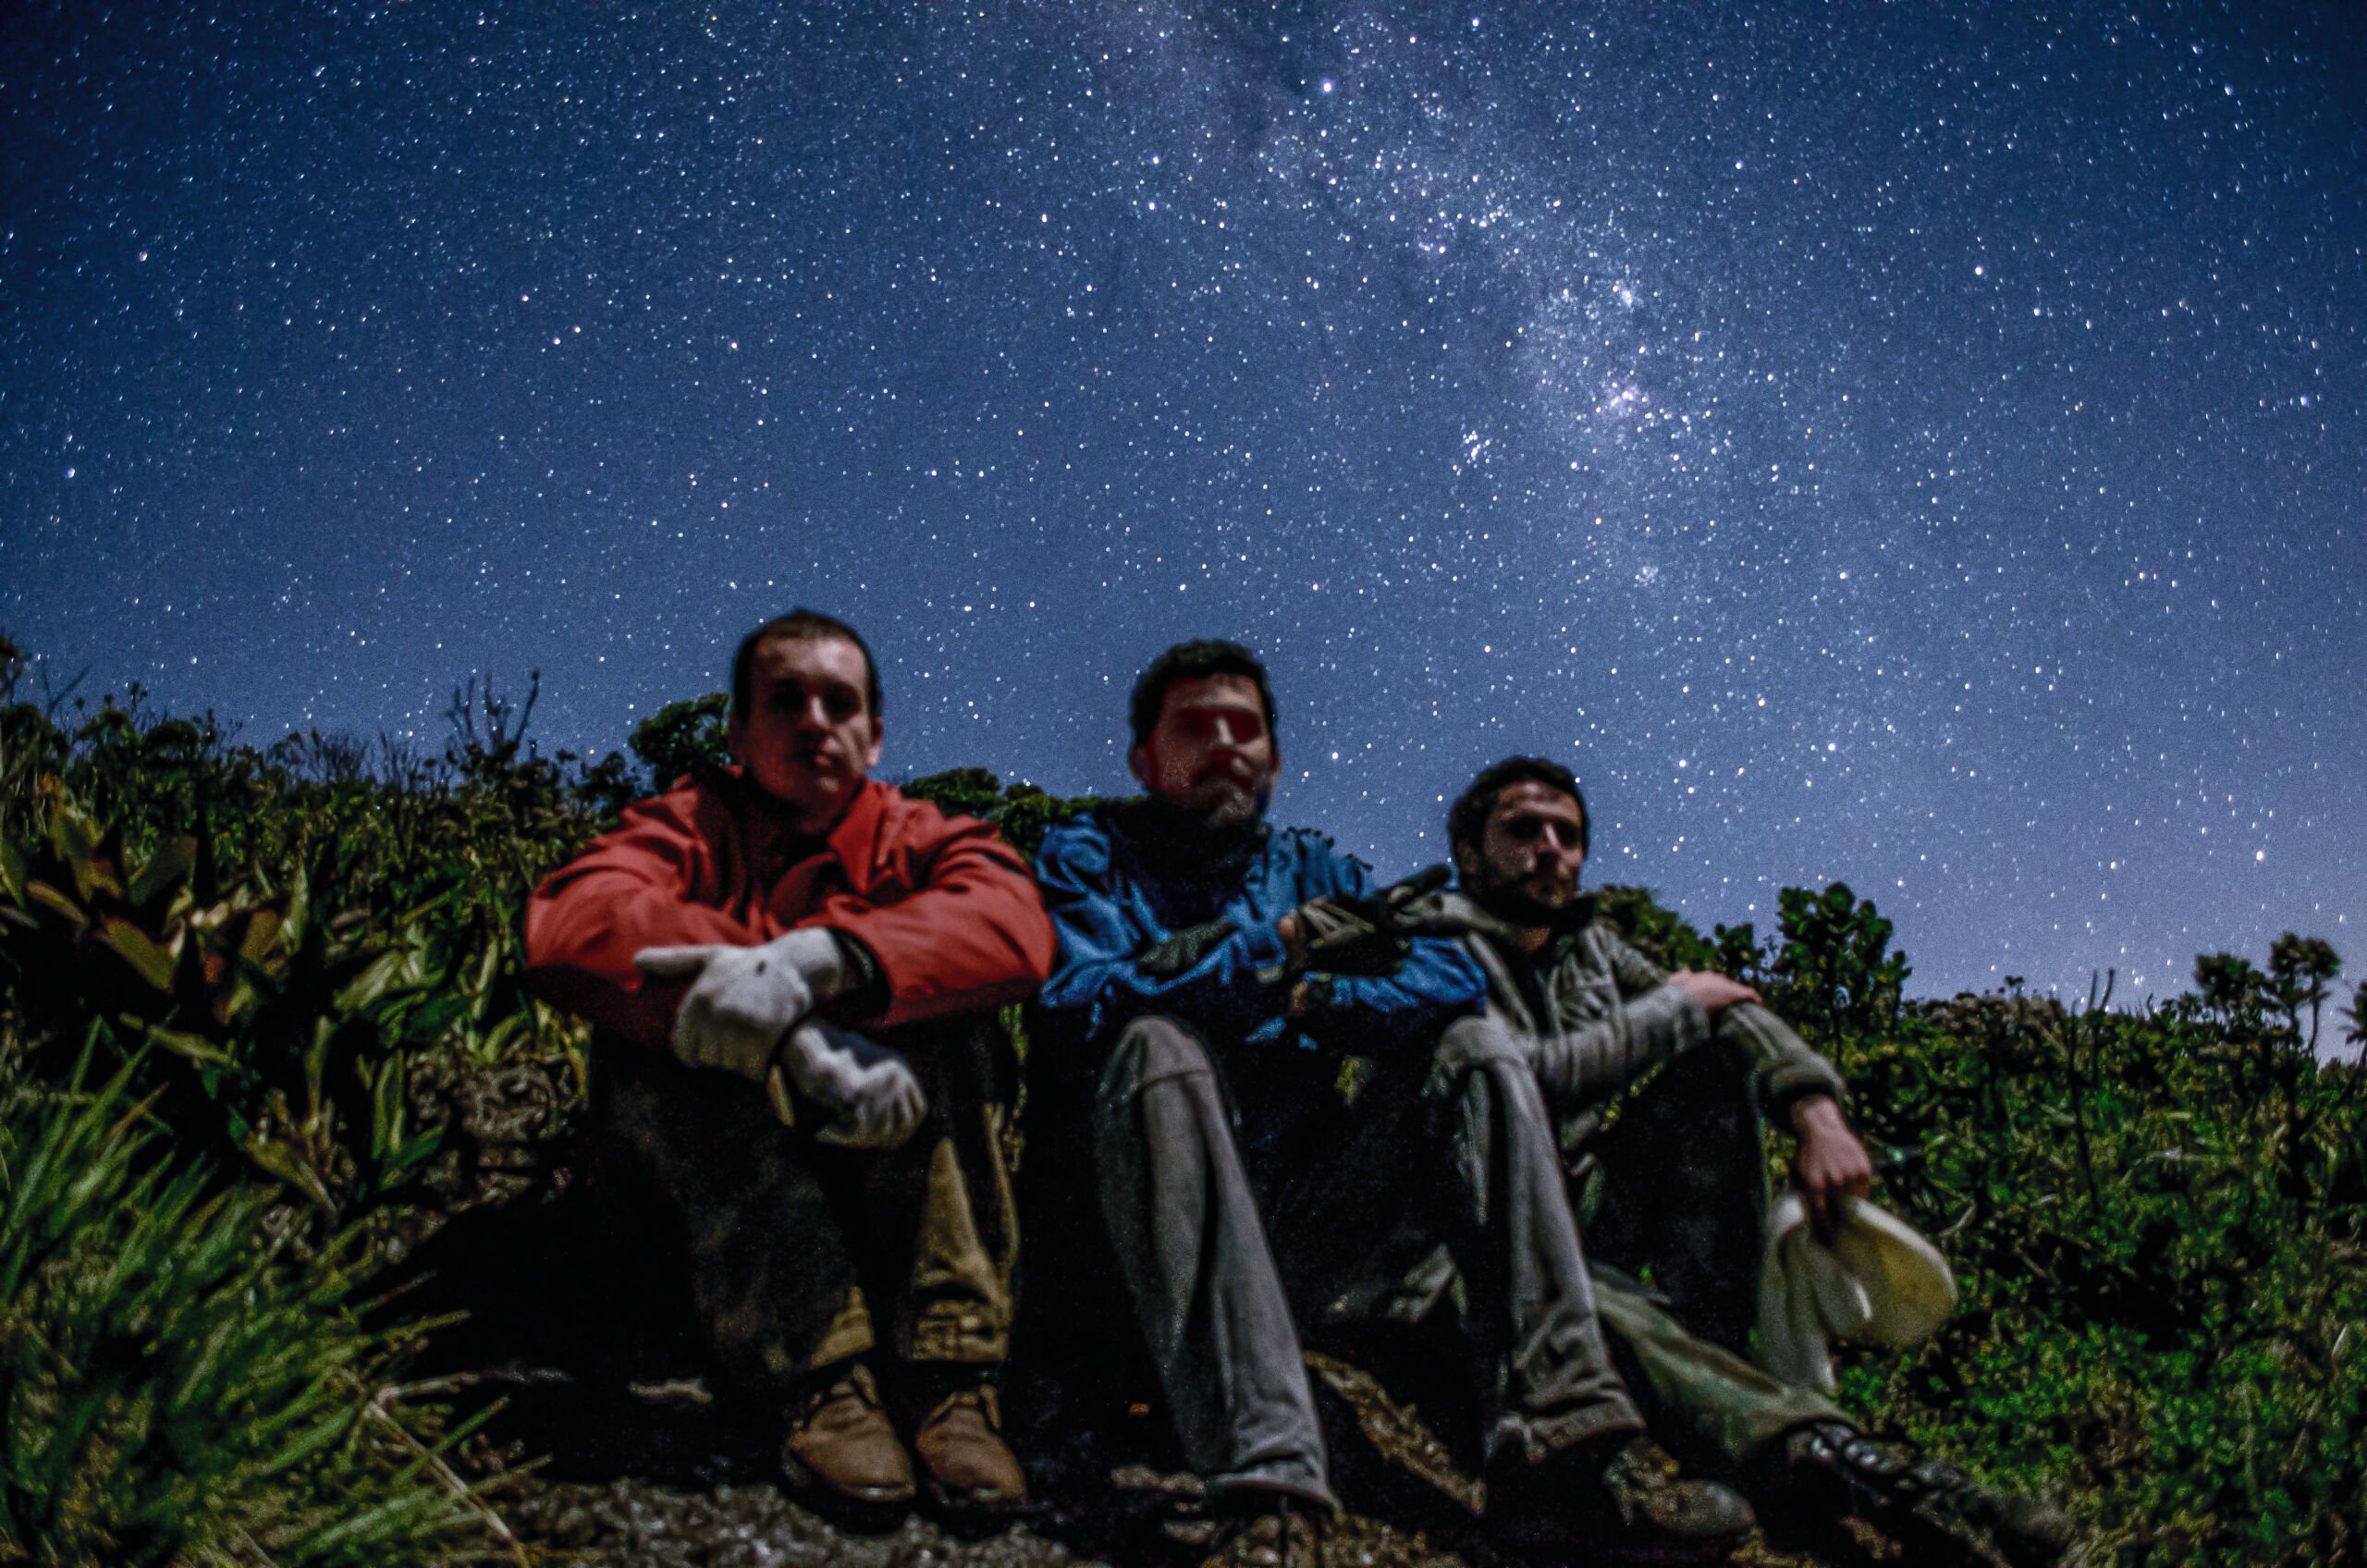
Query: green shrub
column 173, row 1388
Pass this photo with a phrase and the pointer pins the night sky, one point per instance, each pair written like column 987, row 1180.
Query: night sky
column 1917, row 444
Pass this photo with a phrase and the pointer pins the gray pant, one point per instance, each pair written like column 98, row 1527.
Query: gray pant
column 1465, row 1148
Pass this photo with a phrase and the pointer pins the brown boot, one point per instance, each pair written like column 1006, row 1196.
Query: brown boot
column 842, row 1455
column 957, row 1436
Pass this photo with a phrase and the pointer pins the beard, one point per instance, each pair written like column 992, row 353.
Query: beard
column 1512, row 903
column 1231, row 808
column 1187, row 844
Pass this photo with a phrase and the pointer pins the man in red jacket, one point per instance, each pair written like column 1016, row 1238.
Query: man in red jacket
column 795, row 942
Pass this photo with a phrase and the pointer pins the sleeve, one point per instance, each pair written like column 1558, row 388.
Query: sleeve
column 1786, row 1066
column 1579, row 1066
column 970, row 936
column 631, row 890
column 1405, row 1010
column 1783, row 1065
column 1636, row 974
column 1231, row 991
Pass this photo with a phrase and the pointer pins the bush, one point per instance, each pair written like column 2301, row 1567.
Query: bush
column 173, row 1388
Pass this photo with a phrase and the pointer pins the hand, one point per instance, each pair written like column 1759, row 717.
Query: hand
column 743, row 999
column 1181, row 950
column 1343, row 935
column 1832, row 1164
column 1348, row 934
column 874, row 1100
column 1403, row 900
column 1714, row 992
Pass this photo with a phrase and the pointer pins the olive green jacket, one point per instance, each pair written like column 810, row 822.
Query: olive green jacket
column 1593, row 1015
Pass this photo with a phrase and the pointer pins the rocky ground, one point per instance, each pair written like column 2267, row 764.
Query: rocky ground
column 663, row 1478
column 608, row 1451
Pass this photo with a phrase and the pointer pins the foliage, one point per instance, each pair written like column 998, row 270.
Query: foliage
column 1023, row 811
column 1659, row 933
column 2158, row 1221
column 683, row 740
column 174, row 1388
column 275, row 950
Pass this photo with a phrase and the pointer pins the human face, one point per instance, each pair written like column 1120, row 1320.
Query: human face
column 809, row 737
column 1529, row 855
column 1210, row 752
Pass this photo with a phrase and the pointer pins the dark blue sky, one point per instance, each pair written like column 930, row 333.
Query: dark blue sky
column 1917, row 444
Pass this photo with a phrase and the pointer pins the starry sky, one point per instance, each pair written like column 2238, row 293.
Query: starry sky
column 1917, row 444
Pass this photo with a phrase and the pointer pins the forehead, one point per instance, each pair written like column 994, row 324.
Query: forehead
column 1202, row 693
column 808, row 661
column 1532, row 797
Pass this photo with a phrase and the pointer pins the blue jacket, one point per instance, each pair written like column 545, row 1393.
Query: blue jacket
column 1112, row 894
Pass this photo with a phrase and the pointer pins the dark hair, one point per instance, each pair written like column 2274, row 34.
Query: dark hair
column 1193, row 661
column 800, row 624
column 1466, row 820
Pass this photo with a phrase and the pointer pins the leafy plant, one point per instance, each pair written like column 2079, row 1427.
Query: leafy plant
column 175, row 1388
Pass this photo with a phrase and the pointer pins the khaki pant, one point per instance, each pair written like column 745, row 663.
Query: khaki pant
column 801, row 1253
column 1677, row 1186
column 1705, row 1404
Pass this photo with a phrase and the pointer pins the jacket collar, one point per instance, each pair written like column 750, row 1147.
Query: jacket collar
column 857, row 838
column 853, row 843
column 1175, row 845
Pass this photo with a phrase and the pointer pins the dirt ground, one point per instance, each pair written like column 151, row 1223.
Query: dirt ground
column 663, row 1478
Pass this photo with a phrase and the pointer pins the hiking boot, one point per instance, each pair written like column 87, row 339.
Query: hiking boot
column 1619, row 1494
column 971, row 1472
column 1935, row 1512
column 842, row 1455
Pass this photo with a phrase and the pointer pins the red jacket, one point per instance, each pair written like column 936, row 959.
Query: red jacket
column 946, row 907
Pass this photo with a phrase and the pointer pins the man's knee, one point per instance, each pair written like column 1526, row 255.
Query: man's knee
column 1151, row 1050
column 1477, row 1041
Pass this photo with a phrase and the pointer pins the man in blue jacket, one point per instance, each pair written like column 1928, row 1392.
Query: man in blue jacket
column 1214, row 978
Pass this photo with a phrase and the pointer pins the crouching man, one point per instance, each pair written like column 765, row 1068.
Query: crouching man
column 1214, row 977
column 1677, row 1184
column 790, row 970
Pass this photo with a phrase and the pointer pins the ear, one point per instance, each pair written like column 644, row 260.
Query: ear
column 735, row 735
column 871, row 752
column 1139, row 763
column 1466, row 865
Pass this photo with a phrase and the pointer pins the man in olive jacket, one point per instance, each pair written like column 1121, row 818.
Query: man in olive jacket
column 1676, row 1182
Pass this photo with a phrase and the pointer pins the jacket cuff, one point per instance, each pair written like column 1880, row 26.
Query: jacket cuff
column 864, row 997
column 1779, row 1088
column 1262, row 945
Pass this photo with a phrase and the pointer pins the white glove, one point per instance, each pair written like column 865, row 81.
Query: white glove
column 743, row 1001
column 874, row 1100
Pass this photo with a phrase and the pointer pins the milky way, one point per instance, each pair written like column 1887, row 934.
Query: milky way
column 1918, row 446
